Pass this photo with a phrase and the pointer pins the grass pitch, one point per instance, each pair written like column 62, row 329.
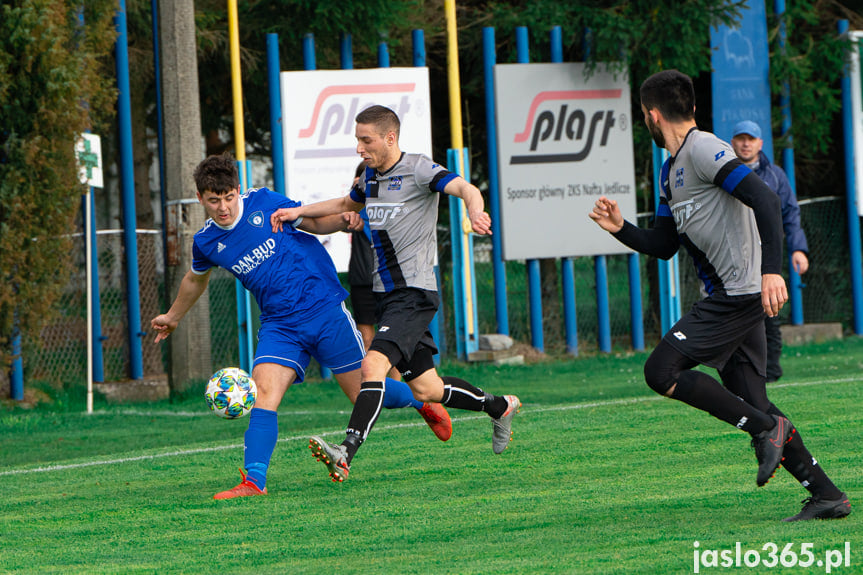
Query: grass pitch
column 603, row 476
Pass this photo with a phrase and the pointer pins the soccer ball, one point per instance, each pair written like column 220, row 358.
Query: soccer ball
column 231, row 393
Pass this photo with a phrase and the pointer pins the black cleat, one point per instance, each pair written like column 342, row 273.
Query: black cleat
column 816, row 508
column 768, row 446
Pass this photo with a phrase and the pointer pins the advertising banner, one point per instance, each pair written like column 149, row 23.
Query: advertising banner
column 740, row 83
column 564, row 140
column 318, row 111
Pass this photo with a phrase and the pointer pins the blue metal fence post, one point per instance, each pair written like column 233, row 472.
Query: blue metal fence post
column 274, row 89
column 383, row 55
column 636, row 309
column 309, row 52
column 570, row 324
column 465, row 344
column 436, row 327
column 16, row 375
column 668, row 271
column 498, row 266
column 854, row 247
column 457, row 263
column 603, row 316
column 534, row 292
column 346, row 51
column 130, row 239
column 243, row 297
column 795, row 285
column 600, row 263
column 419, row 48
column 95, row 299
column 310, row 64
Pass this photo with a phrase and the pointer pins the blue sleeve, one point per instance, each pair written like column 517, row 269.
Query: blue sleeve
column 662, row 241
column 358, row 195
column 795, row 239
column 200, row 263
column 276, row 199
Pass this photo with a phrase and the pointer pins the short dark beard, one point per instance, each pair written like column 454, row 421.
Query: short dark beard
column 656, row 133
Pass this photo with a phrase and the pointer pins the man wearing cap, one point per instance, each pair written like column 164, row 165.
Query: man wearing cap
column 747, row 143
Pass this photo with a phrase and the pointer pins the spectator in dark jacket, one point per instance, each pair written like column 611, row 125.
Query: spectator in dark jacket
column 747, row 143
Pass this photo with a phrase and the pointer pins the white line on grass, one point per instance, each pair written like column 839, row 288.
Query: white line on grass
column 201, row 413
column 182, row 452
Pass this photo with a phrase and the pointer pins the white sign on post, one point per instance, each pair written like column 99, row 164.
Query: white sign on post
column 318, row 111
column 564, row 140
column 88, row 152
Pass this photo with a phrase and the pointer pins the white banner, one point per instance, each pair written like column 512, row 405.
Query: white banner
column 318, row 111
column 563, row 141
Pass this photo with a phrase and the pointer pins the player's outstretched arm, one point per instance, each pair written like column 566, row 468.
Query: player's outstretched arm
column 480, row 221
column 660, row 241
column 344, row 222
column 606, row 213
column 316, row 210
column 191, row 288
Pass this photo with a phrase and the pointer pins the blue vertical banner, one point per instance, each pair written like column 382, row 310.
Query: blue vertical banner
column 741, row 68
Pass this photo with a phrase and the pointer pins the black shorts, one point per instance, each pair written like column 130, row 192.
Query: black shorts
column 363, row 304
column 717, row 327
column 403, row 318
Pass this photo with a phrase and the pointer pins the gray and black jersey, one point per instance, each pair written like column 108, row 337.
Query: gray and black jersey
column 402, row 206
column 726, row 217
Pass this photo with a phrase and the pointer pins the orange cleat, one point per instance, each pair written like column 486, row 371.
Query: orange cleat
column 438, row 419
column 245, row 489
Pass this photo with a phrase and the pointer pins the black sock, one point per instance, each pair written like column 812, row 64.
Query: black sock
column 803, row 467
column 351, row 444
column 460, row 394
column 699, row 390
column 364, row 415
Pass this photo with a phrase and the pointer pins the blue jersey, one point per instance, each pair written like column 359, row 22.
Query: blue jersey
column 289, row 273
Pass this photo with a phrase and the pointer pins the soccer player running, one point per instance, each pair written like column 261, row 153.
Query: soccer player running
column 400, row 192
column 301, row 300
column 716, row 207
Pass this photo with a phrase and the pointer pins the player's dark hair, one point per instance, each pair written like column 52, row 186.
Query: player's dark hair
column 384, row 119
column 217, row 174
column 672, row 93
column 361, row 167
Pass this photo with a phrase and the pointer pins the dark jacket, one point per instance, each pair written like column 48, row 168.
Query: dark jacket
column 777, row 181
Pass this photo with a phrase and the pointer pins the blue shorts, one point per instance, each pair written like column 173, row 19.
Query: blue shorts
column 331, row 338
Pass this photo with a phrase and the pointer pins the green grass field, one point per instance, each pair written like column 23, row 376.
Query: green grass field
column 603, row 476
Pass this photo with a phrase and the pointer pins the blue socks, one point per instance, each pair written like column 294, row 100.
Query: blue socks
column 263, row 432
column 398, row 394
column 259, row 443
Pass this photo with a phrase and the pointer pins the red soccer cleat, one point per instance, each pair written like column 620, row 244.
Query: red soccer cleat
column 438, row 419
column 245, row 489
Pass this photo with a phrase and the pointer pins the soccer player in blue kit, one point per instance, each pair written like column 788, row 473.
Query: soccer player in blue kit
column 730, row 223
column 400, row 192
column 301, row 300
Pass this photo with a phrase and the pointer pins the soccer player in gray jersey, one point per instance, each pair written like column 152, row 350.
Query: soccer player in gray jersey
column 400, row 192
column 729, row 221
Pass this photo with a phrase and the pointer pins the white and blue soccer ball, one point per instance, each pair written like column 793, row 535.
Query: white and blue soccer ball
column 231, row 393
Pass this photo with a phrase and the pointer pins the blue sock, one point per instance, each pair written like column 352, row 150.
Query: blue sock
column 398, row 394
column 260, row 441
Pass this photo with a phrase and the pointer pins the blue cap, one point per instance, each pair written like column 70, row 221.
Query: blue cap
column 746, row 127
